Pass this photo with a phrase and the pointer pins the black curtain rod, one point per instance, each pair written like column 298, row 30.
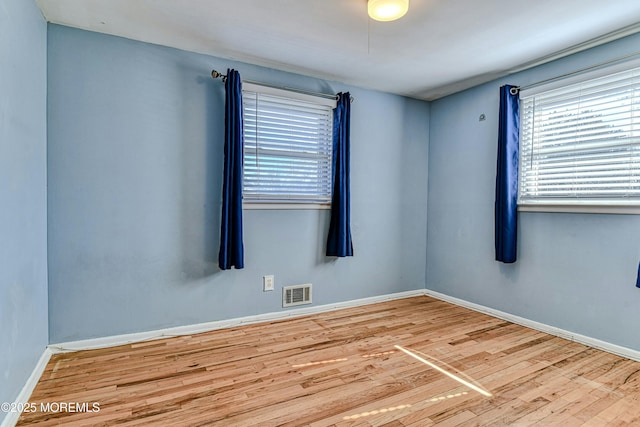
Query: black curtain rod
column 215, row 74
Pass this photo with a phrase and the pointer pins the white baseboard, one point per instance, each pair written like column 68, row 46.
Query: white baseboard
column 11, row 418
column 115, row 340
column 552, row 330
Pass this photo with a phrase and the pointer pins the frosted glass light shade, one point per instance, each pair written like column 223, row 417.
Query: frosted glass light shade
column 387, row 10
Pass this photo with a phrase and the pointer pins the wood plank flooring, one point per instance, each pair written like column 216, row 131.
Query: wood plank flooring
column 344, row 368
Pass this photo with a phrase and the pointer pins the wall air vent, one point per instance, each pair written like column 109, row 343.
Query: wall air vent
column 296, row 295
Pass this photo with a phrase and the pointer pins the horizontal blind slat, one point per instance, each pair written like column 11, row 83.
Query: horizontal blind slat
column 582, row 141
column 287, row 149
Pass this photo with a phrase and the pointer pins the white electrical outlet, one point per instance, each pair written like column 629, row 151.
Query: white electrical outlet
column 268, row 283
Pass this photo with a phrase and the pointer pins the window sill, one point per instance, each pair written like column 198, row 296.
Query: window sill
column 284, row 206
column 620, row 209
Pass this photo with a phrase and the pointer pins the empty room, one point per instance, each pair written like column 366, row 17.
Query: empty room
column 320, row 212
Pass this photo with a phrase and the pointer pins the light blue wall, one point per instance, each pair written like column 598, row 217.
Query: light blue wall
column 135, row 158
column 574, row 271
column 23, row 191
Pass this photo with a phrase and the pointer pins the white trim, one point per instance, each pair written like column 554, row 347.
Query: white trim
column 289, row 93
column 552, row 330
column 579, row 77
column 630, row 209
column 11, row 418
column 115, row 340
column 255, row 205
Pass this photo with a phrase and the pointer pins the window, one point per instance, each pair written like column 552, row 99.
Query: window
column 288, row 143
column 580, row 142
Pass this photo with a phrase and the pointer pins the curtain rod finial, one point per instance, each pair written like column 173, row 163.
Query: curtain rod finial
column 216, row 74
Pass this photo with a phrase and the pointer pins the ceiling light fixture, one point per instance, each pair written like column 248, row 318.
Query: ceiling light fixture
column 387, row 10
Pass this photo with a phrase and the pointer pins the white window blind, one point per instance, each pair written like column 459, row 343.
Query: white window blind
column 287, row 146
column 580, row 141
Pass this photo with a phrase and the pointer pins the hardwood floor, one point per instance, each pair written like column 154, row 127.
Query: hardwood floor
column 347, row 368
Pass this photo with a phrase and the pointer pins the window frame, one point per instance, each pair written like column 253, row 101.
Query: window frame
column 266, row 204
column 577, row 205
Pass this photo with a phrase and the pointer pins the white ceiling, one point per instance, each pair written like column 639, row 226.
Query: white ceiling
column 438, row 48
